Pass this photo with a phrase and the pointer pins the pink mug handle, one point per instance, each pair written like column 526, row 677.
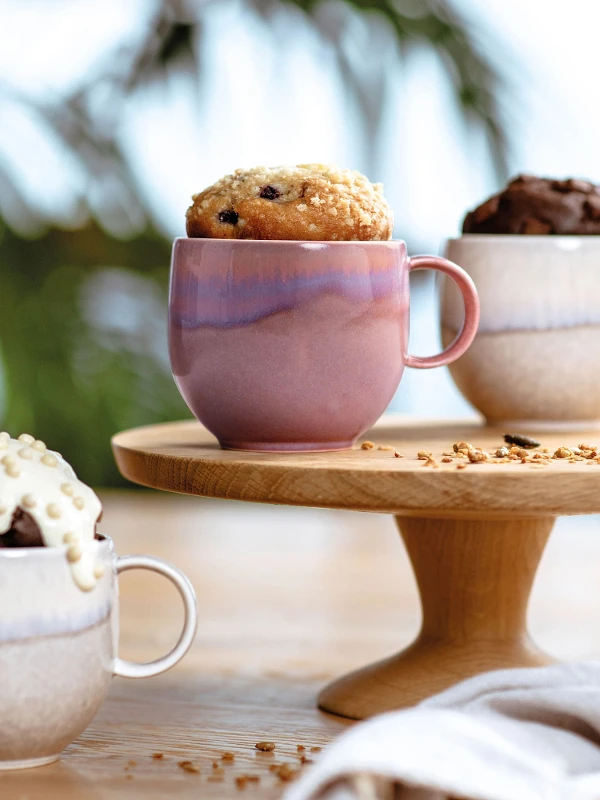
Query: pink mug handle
column 471, row 303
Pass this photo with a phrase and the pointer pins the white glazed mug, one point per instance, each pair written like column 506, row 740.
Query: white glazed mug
column 58, row 647
column 534, row 361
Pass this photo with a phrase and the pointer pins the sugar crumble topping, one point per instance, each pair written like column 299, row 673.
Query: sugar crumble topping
column 341, row 204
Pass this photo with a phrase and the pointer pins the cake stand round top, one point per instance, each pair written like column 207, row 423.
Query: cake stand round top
column 184, row 457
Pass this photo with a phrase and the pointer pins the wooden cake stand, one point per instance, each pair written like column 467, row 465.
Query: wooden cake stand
column 474, row 535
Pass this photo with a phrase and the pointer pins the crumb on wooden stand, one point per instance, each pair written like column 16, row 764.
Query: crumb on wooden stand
column 300, row 748
column 462, row 447
column 158, row 756
column 227, row 756
column 242, row 780
column 315, row 749
column 518, row 449
column 563, row 452
column 189, row 766
column 265, row 747
column 286, row 773
column 476, row 456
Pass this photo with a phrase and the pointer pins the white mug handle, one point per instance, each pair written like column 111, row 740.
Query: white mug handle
column 131, row 669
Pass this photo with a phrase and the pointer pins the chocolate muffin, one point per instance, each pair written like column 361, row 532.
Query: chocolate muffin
column 539, row 206
column 315, row 202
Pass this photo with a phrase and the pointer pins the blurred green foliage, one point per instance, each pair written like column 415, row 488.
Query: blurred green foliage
column 83, row 341
column 83, row 312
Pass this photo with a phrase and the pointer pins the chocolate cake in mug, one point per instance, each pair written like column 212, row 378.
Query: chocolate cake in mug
column 534, row 252
column 59, row 601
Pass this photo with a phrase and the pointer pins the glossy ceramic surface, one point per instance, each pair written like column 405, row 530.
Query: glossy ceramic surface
column 534, row 360
column 58, row 648
column 294, row 345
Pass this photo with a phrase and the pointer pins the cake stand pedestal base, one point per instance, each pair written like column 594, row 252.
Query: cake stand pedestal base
column 474, row 578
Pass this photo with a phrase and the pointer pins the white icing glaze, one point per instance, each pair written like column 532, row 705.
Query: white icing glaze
column 46, row 487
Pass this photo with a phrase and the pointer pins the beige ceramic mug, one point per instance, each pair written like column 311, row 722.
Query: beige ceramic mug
column 58, row 647
column 534, row 361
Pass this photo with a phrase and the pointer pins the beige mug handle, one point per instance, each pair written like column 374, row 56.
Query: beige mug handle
column 131, row 669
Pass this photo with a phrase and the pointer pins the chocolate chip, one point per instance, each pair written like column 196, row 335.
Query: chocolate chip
column 535, row 227
column 269, row 193
column 520, row 440
column 230, row 217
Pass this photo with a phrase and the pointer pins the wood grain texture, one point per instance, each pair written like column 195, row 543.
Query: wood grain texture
column 183, row 457
column 474, row 579
column 288, row 599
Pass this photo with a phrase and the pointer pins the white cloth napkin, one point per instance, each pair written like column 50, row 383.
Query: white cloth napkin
column 523, row 734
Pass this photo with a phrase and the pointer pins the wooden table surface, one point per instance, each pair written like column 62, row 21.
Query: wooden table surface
column 288, row 599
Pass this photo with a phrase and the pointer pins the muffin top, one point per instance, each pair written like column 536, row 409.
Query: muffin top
column 313, row 202
column 42, row 502
column 531, row 205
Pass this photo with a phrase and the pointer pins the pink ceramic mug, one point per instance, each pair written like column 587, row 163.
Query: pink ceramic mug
column 293, row 345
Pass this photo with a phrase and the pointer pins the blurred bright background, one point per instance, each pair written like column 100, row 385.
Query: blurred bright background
column 112, row 114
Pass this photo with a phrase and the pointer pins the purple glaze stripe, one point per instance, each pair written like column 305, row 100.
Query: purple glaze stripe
column 221, row 302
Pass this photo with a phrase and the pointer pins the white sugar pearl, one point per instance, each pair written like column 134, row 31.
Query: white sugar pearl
column 70, row 538
column 26, row 453
column 78, row 502
column 49, row 460
column 28, row 501
column 53, row 510
column 39, row 446
column 8, row 461
column 74, row 554
column 99, row 571
column 27, row 438
column 13, row 471
column 68, row 489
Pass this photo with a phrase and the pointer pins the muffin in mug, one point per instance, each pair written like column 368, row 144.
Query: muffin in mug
column 289, row 308
column 534, row 253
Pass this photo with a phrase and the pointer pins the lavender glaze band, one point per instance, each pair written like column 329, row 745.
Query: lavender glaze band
column 292, row 345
